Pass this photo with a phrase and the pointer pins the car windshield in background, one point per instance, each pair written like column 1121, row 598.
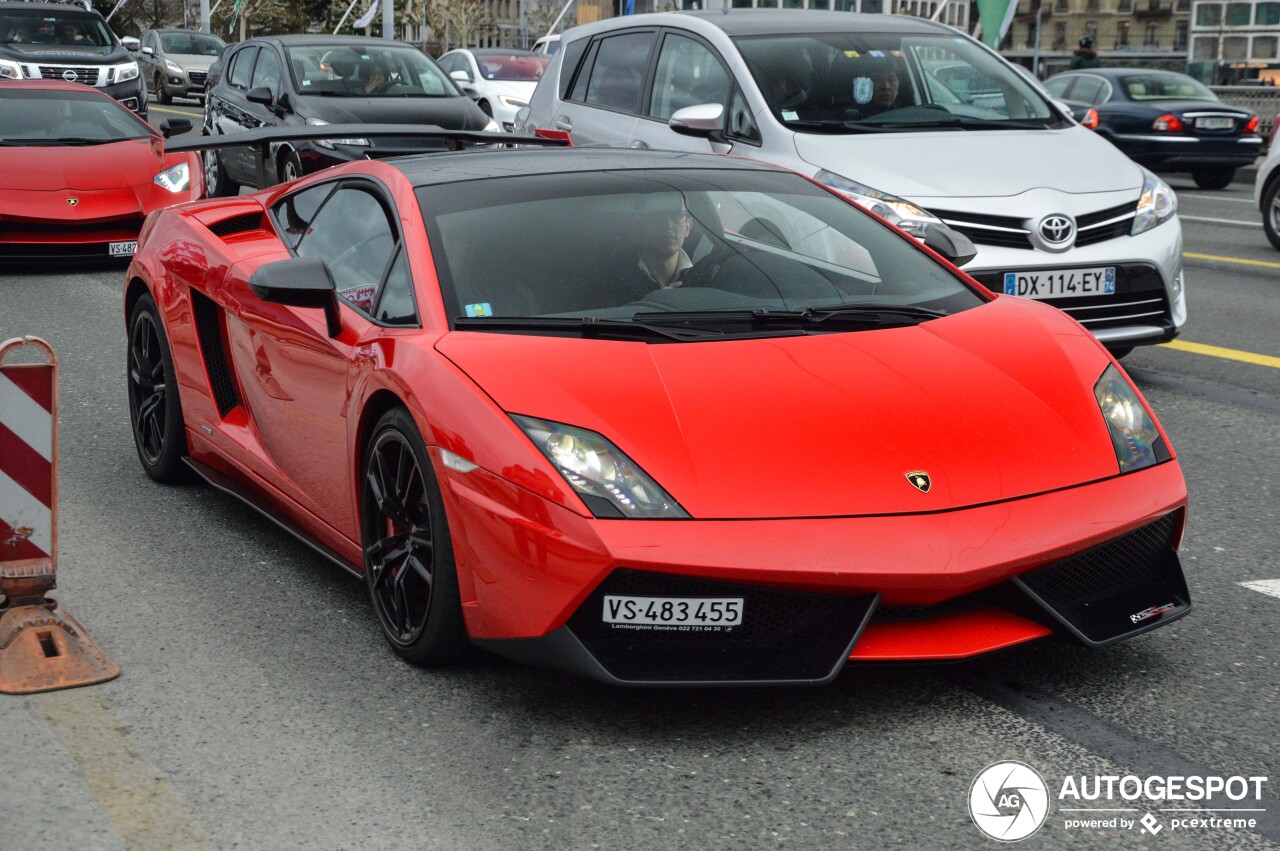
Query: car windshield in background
column 878, row 82
column 753, row 253
column 339, row 70
column 34, row 118
column 191, row 44
column 1165, row 87
column 63, row 29
column 512, row 67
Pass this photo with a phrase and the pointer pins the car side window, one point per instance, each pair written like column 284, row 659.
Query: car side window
column 352, row 233
column 584, row 75
column 1058, row 87
column 742, row 123
column 688, row 74
column 1090, row 89
column 569, row 64
column 241, row 67
column 293, row 215
column 395, row 303
column 266, row 74
column 617, row 77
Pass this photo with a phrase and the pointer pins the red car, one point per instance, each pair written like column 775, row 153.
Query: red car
column 79, row 172
column 650, row 417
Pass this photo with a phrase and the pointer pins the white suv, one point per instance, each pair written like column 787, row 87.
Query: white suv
column 869, row 105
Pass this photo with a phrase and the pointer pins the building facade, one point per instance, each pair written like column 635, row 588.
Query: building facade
column 1235, row 41
column 1142, row 33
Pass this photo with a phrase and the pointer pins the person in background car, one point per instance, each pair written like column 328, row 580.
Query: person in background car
column 376, row 80
column 1085, row 56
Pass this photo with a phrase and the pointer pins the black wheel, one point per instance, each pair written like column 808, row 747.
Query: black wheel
column 162, row 96
column 290, row 165
column 1119, row 352
column 1213, row 178
column 408, row 555
column 217, row 183
column 154, row 407
column 1271, row 212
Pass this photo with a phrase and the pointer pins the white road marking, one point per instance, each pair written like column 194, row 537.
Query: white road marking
column 1210, row 197
column 1265, row 586
column 1221, row 221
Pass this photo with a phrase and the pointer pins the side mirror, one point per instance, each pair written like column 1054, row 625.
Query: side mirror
column 171, row 127
column 130, row 42
column 260, row 95
column 299, row 282
column 148, row 51
column 699, row 121
column 283, row 103
column 1065, row 109
column 950, row 243
column 460, row 77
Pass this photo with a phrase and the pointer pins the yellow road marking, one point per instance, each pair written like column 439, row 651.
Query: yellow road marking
column 175, row 111
column 1242, row 261
column 1219, row 352
column 135, row 796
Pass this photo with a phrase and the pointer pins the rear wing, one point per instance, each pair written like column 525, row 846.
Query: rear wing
column 434, row 139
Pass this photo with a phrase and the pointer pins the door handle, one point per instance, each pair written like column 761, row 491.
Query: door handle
column 640, row 144
column 562, row 122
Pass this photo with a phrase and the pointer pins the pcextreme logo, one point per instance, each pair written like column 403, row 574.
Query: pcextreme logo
column 1008, row 801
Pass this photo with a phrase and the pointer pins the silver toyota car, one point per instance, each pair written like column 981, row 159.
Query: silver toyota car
column 910, row 118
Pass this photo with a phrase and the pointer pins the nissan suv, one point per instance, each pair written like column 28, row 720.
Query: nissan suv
column 58, row 41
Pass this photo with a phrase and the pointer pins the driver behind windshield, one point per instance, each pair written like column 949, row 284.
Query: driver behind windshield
column 661, row 226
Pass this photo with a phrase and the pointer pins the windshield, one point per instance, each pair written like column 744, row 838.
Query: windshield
column 851, row 82
column 63, row 29
column 364, row 72
column 1165, row 87
column 632, row 246
column 33, row 118
column 191, row 44
column 512, row 67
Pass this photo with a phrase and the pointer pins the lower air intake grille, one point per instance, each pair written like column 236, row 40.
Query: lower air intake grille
column 784, row 636
column 209, row 330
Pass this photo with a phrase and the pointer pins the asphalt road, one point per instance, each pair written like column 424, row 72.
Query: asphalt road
column 260, row 709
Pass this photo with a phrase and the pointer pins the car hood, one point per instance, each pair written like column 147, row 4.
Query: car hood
column 451, row 113
column 515, row 89
column 1074, row 160
column 993, row 403
column 193, row 61
column 115, row 165
column 62, row 54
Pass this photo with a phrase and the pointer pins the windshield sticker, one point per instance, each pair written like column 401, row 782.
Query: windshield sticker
column 877, row 53
column 789, row 115
column 851, row 54
column 482, row 308
column 862, row 89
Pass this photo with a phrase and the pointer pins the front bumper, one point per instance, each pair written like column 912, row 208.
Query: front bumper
column 131, row 93
column 947, row 585
column 1188, row 152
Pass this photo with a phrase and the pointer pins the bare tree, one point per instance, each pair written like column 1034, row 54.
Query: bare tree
column 461, row 19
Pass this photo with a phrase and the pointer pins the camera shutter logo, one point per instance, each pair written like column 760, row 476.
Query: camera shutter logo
column 1009, row 801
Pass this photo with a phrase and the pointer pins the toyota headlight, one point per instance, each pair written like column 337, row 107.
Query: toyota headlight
column 1134, row 435
column 358, row 142
column 123, row 73
column 609, row 482
column 512, row 103
column 176, row 179
column 1156, row 204
column 902, row 213
column 10, row 70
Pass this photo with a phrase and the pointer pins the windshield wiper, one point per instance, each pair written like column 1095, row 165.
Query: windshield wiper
column 73, row 140
column 883, row 314
column 588, row 328
column 760, row 318
column 840, row 126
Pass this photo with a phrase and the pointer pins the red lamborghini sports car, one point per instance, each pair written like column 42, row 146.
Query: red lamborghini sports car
column 79, row 172
column 652, row 418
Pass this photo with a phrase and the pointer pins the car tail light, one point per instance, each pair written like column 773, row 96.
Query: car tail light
column 1167, row 123
column 1252, row 126
column 1275, row 125
column 1090, row 119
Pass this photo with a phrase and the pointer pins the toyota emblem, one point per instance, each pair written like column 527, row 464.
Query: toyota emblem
column 1057, row 229
column 69, row 75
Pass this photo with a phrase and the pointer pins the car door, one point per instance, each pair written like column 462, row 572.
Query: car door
column 607, row 95
column 688, row 73
column 296, row 379
column 228, row 113
column 149, row 60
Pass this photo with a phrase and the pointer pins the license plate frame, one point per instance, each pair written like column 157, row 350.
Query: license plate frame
column 679, row 613
column 1061, row 283
column 1215, row 122
column 127, row 248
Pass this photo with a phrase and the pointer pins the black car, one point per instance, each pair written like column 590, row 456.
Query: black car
column 315, row 80
column 60, row 41
column 1163, row 120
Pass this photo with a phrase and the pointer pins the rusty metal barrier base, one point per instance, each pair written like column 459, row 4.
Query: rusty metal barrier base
column 43, row 648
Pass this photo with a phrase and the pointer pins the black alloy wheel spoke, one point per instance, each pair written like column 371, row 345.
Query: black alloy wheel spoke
column 389, row 549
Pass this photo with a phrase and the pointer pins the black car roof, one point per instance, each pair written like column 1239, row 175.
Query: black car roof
column 749, row 22
column 435, row 169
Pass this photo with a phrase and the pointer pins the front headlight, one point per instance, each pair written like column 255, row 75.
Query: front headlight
column 125, row 72
column 10, row 70
column 609, row 482
column 1156, row 204
column 176, row 179
column 358, row 142
column 1134, row 435
column 173, row 66
column 512, row 103
column 902, row 213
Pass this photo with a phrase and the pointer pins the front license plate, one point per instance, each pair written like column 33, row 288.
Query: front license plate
column 122, row 249
column 675, row 612
column 1215, row 123
column 1064, row 283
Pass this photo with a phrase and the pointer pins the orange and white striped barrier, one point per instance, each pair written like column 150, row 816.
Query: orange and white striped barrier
column 42, row 647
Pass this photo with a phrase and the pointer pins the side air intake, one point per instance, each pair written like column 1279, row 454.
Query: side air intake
column 209, row 330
